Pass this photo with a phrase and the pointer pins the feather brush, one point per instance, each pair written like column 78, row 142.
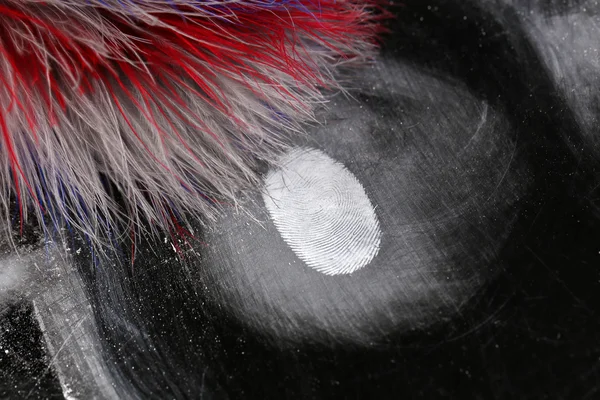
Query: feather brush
column 118, row 113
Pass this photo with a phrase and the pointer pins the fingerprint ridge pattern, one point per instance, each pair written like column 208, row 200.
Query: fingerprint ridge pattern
column 322, row 212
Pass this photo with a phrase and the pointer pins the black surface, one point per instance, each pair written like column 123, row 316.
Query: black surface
column 532, row 332
column 24, row 371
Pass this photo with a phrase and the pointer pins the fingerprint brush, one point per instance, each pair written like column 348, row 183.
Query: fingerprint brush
column 169, row 104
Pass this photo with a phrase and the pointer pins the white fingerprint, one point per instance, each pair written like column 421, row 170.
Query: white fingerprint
column 322, row 212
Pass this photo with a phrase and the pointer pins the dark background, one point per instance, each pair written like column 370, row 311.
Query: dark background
column 532, row 333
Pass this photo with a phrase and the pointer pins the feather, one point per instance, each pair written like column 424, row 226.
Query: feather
column 169, row 104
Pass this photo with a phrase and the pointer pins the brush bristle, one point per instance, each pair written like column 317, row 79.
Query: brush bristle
column 168, row 104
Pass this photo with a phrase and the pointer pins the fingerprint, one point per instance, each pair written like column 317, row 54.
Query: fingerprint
column 322, row 212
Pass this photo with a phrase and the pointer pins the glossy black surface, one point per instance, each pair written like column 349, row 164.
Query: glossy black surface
column 525, row 258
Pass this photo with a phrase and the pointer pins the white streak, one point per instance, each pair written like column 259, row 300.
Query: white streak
column 66, row 320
